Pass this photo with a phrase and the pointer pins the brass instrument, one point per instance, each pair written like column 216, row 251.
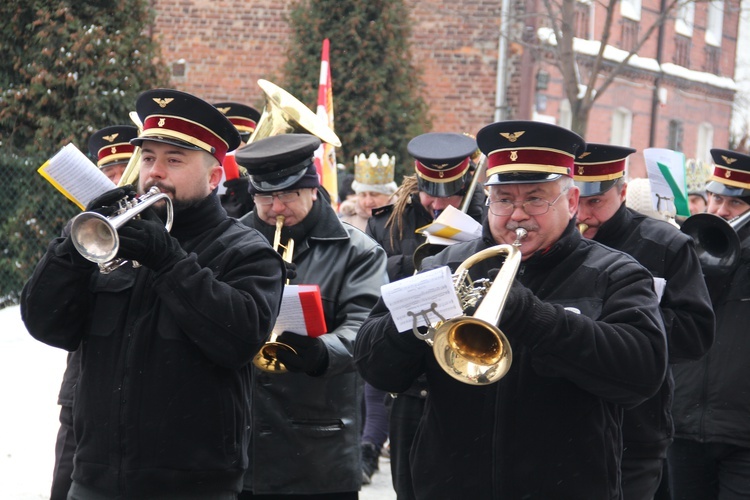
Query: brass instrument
column 285, row 114
column 130, row 174
column 582, row 228
column 266, row 360
column 95, row 236
column 472, row 349
column 716, row 241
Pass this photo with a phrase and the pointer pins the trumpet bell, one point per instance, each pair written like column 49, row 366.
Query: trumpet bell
column 716, row 242
column 285, row 114
column 472, row 351
column 94, row 237
column 267, row 358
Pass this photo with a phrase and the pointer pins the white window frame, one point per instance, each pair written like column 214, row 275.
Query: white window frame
column 685, row 19
column 631, row 9
column 622, row 127
column 714, row 22
column 705, row 142
column 566, row 115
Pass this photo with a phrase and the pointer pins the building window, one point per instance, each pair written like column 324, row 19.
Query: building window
column 674, row 140
column 622, row 122
column 705, row 142
column 628, row 34
column 681, row 55
column 582, row 20
column 631, row 9
column 712, row 60
column 715, row 23
column 684, row 19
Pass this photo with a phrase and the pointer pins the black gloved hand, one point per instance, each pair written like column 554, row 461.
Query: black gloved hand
column 149, row 243
column 238, row 188
column 311, row 357
column 106, row 204
column 519, row 298
column 291, row 270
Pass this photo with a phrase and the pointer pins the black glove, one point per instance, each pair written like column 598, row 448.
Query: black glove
column 291, row 270
column 237, row 200
column 106, row 204
column 149, row 243
column 519, row 299
column 311, row 357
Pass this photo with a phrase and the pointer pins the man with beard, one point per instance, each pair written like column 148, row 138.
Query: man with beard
column 686, row 308
column 307, row 421
column 161, row 405
column 583, row 324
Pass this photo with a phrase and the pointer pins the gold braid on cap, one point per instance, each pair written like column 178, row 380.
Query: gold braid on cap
column 409, row 186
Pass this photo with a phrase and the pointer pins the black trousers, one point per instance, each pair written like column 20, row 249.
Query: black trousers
column 708, row 471
column 406, row 412
column 640, row 477
column 65, row 448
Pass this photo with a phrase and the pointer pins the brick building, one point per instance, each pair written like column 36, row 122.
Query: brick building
column 220, row 56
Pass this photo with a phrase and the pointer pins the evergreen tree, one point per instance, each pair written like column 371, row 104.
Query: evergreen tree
column 377, row 99
column 69, row 68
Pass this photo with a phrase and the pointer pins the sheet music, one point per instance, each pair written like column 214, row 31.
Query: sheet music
column 298, row 315
column 75, row 176
column 413, row 297
column 451, row 226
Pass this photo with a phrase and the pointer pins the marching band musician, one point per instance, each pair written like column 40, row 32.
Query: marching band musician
column 443, row 173
column 586, row 336
column 161, row 404
column 112, row 149
column 710, row 455
column 686, row 308
column 307, row 421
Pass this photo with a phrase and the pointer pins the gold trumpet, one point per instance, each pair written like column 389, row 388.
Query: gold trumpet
column 472, row 349
column 266, row 360
column 582, row 227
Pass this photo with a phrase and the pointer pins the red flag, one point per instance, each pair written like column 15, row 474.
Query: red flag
column 325, row 156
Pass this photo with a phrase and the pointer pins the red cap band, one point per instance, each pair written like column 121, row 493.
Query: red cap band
column 597, row 172
column 529, row 160
column 185, row 131
column 114, row 153
column 433, row 174
column 729, row 177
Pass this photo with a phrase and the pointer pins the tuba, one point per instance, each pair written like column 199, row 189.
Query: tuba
column 95, row 236
column 716, row 241
column 266, row 359
column 285, row 114
column 472, row 349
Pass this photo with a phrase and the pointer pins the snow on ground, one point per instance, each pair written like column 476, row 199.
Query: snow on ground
column 30, row 376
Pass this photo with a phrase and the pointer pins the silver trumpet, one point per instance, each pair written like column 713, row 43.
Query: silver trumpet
column 95, row 236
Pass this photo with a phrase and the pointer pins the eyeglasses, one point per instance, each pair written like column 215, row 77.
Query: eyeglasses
column 533, row 206
column 286, row 197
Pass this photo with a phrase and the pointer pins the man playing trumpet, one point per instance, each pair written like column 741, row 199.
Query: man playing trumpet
column 584, row 328
column 307, row 420
column 161, row 404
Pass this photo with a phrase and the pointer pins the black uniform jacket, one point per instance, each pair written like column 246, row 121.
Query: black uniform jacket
column 686, row 309
column 162, row 401
column 306, row 435
column 587, row 340
column 712, row 395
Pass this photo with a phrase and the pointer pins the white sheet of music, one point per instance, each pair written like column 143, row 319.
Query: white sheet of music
column 74, row 175
column 425, row 296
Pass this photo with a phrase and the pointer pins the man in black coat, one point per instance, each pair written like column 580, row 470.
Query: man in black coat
column 160, row 408
column 710, row 456
column 684, row 302
column 307, row 420
column 585, row 331
column 442, row 165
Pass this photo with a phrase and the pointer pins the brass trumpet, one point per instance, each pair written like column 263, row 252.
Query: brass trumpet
column 266, row 360
column 472, row 349
column 95, row 236
column 582, row 228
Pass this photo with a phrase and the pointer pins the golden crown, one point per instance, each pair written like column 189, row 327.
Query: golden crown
column 697, row 173
column 371, row 170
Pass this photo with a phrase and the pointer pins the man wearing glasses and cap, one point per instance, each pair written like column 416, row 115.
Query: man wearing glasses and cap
column 307, row 421
column 585, row 331
column 443, row 172
column 710, row 456
column 161, row 404
column 684, row 302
